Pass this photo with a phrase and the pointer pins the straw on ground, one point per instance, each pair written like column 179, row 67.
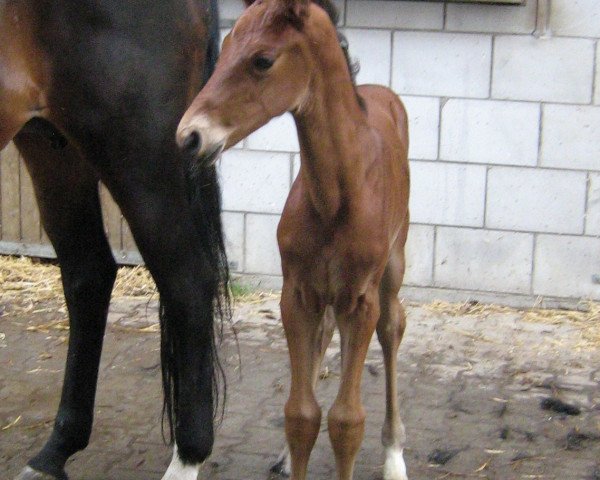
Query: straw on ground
column 33, row 282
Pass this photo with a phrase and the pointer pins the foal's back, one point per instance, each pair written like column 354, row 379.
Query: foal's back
column 386, row 114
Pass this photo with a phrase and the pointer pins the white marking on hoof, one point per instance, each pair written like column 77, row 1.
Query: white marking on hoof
column 283, row 466
column 178, row 471
column 29, row 473
column 394, row 467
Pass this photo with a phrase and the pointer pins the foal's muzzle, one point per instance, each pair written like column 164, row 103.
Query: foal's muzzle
column 193, row 146
column 190, row 143
column 210, row 156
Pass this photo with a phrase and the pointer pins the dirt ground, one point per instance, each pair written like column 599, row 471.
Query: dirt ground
column 471, row 389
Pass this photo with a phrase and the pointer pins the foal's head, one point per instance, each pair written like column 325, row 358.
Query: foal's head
column 265, row 69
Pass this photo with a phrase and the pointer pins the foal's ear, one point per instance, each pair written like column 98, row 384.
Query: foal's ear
column 296, row 10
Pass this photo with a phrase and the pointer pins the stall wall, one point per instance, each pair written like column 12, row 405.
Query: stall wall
column 504, row 107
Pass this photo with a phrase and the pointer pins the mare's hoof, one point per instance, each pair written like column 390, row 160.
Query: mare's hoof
column 29, row 473
column 282, row 467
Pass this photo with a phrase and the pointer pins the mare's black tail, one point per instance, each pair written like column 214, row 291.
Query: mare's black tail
column 204, row 197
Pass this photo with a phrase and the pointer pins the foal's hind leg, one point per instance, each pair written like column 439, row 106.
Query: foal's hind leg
column 67, row 194
column 283, row 466
column 390, row 330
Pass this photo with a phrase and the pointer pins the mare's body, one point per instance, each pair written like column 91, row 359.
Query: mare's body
column 92, row 90
column 344, row 225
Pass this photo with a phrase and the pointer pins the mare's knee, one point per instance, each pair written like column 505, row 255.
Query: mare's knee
column 92, row 282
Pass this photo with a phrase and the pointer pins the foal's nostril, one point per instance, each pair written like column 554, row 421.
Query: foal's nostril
column 191, row 143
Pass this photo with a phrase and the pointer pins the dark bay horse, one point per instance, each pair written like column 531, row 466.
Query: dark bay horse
column 93, row 90
column 345, row 222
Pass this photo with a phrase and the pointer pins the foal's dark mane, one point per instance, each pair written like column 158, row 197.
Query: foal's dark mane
column 353, row 65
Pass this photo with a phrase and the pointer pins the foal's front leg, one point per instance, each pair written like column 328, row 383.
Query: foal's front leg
column 302, row 412
column 346, row 419
column 324, row 335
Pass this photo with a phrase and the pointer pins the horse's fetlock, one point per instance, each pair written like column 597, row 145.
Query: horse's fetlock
column 393, row 434
column 74, row 425
column 194, row 447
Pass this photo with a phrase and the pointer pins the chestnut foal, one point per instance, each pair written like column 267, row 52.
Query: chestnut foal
column 345, row 222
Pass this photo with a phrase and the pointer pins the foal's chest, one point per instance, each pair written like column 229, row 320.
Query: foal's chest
column 330, row 259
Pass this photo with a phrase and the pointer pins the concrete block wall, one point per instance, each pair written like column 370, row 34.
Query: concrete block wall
column 504, row 107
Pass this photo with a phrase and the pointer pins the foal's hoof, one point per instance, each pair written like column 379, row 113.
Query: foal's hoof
column 282, row 467
column 394, row 467
column 29, row 473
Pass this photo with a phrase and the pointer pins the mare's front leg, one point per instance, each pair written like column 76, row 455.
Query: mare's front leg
column 302, row 412
column 67, row 194
column 346, row 418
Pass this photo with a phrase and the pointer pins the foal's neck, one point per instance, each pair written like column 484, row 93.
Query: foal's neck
column 330, row 127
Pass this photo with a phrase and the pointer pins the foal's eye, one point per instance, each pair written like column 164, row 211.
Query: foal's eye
column 262, row 63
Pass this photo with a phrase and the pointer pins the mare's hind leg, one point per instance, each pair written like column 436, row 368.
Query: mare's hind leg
column 12, row 116
column 8, row 129
column 283, row 466
column 390, row 329
column 14, row 111
column 67, row 194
